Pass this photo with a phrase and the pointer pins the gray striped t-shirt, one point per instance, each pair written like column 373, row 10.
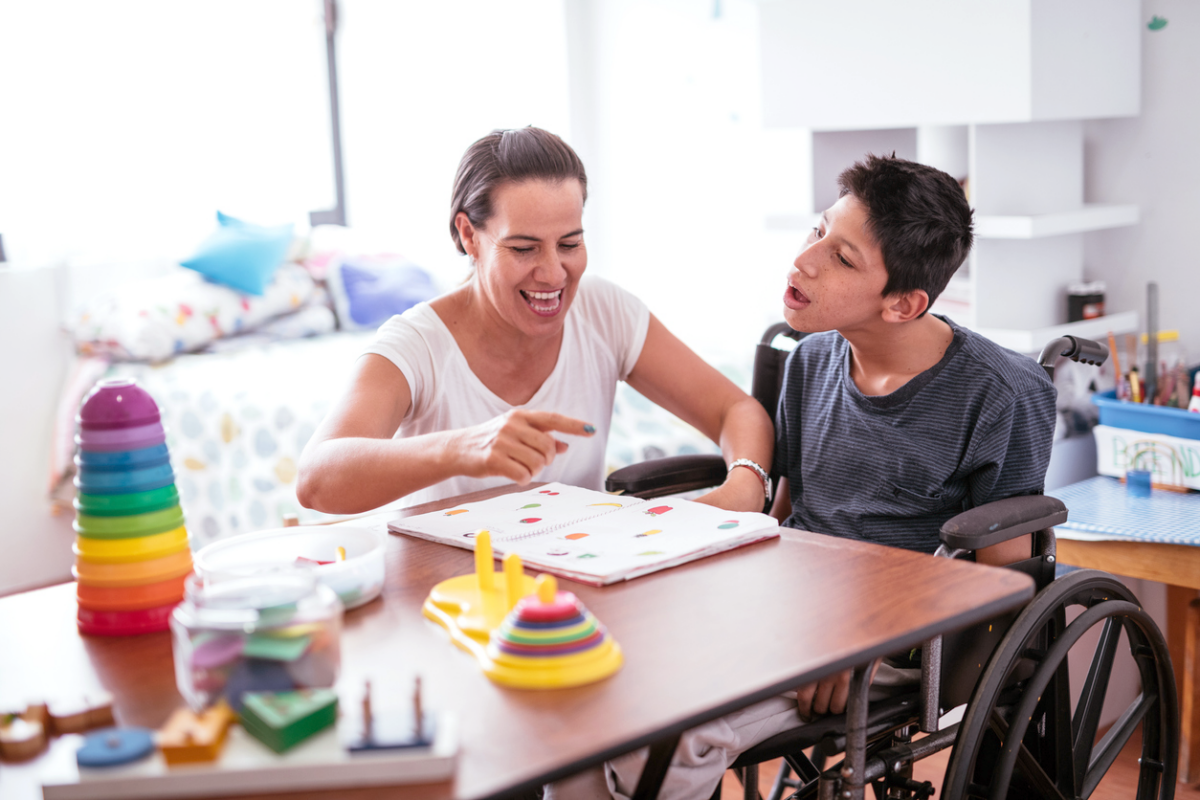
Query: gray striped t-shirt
column 891, row 469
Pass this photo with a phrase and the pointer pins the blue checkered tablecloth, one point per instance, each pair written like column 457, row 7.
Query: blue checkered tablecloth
column 1102, row 508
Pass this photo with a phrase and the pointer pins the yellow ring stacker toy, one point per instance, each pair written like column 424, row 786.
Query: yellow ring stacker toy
column 525, row 634
column 142, row 548
column 133, row 573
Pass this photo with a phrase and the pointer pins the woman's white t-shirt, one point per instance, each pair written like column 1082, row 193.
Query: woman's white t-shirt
column 603, row 334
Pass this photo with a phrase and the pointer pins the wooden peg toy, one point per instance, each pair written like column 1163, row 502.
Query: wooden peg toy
column 189, row 738
column 390, row 727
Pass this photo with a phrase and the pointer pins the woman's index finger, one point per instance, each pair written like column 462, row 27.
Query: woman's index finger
column 550, row 421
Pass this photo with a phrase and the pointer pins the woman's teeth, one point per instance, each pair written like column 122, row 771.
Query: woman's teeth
column 543, row 301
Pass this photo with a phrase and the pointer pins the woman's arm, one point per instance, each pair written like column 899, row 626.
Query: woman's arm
column 352, row 464
column 674, row 377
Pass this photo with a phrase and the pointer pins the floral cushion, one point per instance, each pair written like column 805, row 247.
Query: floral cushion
column 153, row 320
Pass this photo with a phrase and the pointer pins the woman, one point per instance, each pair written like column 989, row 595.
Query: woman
column 469, row 390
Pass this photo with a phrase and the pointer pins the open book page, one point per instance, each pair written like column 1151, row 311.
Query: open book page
column 641, row 539
column 513, row 516
column 591, row 536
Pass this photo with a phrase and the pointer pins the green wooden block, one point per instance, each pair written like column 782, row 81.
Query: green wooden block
column 276, row 648
column 281, row 720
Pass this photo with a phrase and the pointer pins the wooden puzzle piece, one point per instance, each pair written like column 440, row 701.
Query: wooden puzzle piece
column 189, row 737
column 281, row 720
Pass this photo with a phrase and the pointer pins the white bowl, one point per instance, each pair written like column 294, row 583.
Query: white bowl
column 357, row 580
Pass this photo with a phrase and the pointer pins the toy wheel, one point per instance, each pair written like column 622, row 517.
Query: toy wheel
column 1019, row 737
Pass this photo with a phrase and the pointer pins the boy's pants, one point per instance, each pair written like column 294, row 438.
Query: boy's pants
column 706, row 751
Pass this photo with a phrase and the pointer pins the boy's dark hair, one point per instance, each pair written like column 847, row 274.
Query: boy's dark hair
column 508, row 156
column 919, row 217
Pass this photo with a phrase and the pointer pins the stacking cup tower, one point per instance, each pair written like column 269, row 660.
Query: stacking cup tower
column 131, row 551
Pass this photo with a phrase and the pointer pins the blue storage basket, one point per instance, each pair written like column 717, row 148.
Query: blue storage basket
column 1178, row 422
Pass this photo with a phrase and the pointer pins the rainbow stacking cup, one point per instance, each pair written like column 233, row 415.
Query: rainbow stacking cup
column 131, row 548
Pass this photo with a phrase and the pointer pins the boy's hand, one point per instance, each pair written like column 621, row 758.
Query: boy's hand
column 741, row 491
column 828, row 695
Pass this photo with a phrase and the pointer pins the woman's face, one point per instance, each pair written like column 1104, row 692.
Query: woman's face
column 530, row 255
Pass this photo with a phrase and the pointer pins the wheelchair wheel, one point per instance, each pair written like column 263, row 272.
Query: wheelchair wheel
column 1019, row 737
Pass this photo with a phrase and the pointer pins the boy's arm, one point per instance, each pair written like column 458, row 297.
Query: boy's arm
column 781, row 507
column 1014, row 453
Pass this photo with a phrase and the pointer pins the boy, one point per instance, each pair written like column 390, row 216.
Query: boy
column 890, row 421
column 895, row 420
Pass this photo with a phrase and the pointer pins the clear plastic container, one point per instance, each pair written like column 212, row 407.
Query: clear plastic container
column 1172, row 387
column 357, row 576
column 272, row 632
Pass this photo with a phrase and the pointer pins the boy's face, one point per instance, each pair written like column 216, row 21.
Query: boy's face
column 836, row 283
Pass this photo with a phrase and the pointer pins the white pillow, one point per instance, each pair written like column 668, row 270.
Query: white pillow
column 154, row 319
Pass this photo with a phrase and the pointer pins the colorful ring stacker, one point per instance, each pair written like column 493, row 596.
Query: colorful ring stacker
column 133, row 573
column 129, row 527
column 138, row 548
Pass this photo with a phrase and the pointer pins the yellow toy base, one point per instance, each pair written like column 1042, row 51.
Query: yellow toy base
column 534, row 673
column 470, row 607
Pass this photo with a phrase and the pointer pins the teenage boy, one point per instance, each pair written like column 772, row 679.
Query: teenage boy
column 891, row 420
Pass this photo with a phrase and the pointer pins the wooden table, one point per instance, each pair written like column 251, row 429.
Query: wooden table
column 699, row 640
column 1178, row 566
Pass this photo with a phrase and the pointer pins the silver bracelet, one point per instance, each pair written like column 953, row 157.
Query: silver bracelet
column 759, row 471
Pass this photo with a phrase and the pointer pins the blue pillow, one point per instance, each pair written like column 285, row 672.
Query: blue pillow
column 367, row 291
column 241, row 255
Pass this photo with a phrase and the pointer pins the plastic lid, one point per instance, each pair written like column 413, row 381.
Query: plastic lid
column 117, row 403
column 1086, row 287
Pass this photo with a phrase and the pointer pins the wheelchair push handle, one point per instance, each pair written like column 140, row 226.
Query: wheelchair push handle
column 1075, row 348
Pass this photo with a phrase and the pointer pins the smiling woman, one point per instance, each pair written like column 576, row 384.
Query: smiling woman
column 511, row 376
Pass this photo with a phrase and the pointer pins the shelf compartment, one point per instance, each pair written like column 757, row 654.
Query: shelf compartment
column 1034, row 339
column 1092, row 217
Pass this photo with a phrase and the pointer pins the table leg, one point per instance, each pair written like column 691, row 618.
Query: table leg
column 1186, row 676
column 656, row 767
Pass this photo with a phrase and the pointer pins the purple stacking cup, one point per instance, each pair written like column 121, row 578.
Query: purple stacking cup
column 116, row 403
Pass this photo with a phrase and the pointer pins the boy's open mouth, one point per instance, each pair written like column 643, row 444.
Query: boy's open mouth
column 544, row 304
column 795, row 299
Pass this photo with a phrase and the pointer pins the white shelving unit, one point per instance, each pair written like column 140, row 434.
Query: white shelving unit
column 1092, row 217
column 996, row 98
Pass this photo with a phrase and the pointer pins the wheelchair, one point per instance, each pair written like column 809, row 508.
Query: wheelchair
column 1024, row 732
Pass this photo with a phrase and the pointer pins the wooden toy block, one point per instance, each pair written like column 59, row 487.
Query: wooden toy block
column 281, row 720
column 79, row 714
column 188, row 737
column 21, row 738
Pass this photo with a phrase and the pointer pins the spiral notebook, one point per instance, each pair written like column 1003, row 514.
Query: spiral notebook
column 590, row 536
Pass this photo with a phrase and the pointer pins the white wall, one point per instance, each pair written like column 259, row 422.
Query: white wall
column 35, row 546
column 668, row 118
column 1154, row 160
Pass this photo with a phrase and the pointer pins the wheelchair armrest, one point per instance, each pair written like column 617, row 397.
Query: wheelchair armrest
column 669, row 475
column 1002, row 520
